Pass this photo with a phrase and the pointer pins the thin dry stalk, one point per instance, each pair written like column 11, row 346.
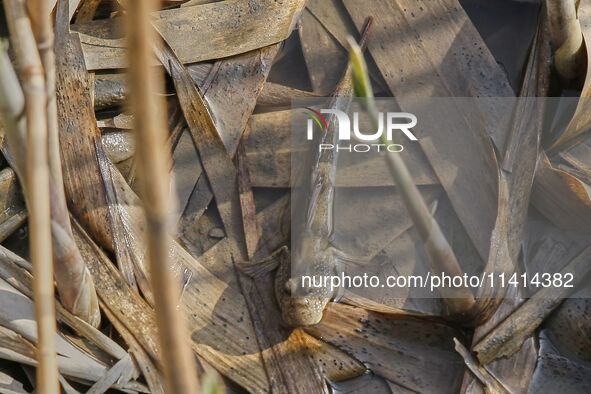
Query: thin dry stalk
column 491, row 384
column 441, row 255
column 153, row 164
column 74, row 282
column 37, row 175
column 87, row 10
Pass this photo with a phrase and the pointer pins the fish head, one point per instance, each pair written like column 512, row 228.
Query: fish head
column 301, row 300
column 303, row 306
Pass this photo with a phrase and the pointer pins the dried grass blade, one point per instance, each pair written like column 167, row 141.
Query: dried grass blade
column 517, row 173
column 112, row 376
column 231, row 111
column 518, row 168
column 251, row 229
column 218, row 165
column 208, row 301
column 15, row 271
column 118, row 297
column 277, row 95
column 18, row 315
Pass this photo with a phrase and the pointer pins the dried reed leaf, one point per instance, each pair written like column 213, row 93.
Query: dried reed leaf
column 15, row 271
column 516, row 175
column 509, row 335
column 325, row 59
column 335, row 364
column 216, row 161
column 517, row 170
column 251, row 228
column 12, row 342
column 76, row 113
column 10, row 385
column 556, row 373
column 110, row 92
column 185, row 160
column 416, row 354
column 562, row 197
column 17, row 315
column 83, row 176
column 333, row 16
column 193, row 32
column 581, row 120
column 276, row 95
column 145, row 362
column 244, row 75
column 203, row 317
column 114, row 375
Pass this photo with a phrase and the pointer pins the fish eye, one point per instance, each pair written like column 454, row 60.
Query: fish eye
column 287, row 289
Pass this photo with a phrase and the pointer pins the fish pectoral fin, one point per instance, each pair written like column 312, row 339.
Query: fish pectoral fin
column 341, row 259
column 359, row 301
column 269, row 264
column 347, row 258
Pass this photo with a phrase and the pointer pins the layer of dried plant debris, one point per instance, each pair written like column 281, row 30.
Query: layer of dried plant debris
column 514, row 198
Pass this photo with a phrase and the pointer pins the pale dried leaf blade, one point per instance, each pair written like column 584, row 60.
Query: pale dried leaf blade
column 193, row 32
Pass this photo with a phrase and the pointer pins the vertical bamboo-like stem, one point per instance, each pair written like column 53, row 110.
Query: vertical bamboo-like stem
column 458, row 300
column 37, row 176
column 39, row 11
column 74, row 282
column 153, row 163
